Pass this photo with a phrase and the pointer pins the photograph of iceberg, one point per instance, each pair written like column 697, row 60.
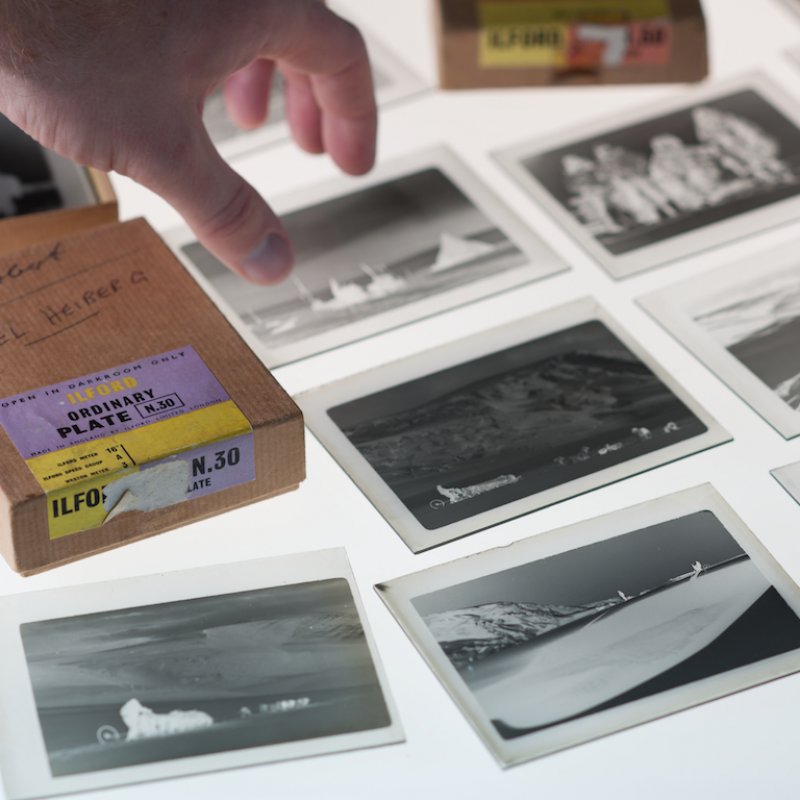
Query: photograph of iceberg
column 674, row 173
column 484, row 433
column 372, row 258
column 214, row 674
column 549, row 641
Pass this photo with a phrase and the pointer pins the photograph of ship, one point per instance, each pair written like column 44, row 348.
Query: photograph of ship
column 487, row 432
column 215, row 674
column 675, row 173
column 560, row 649
column 27, row 184
column 374, row 258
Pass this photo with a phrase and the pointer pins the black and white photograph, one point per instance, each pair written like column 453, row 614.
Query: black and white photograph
column 419, row 236
column 717, row 165
column 266, row 673
column 472, row 434
column 575, row 634
column 743, row 322
column 33, row 179
column 789, row 478
column 394, row 81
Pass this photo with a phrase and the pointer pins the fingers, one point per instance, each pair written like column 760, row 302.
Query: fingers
column 311, row 40
column 228, row 216
column 349, row 130
column 302, row 111
column 247, row 93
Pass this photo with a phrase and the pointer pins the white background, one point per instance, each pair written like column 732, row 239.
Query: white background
column 739, row 747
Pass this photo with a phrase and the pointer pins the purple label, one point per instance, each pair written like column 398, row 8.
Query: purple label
column 109, row 402
column 221, row 465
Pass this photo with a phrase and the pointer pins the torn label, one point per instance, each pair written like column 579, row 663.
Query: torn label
column 157, row 487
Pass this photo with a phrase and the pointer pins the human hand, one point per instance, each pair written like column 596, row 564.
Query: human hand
column 120, row 85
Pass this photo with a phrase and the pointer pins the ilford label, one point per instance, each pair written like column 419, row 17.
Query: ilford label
column 575, row 34
column 138, row 436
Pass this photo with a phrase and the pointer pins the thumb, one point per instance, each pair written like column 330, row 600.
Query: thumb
column 229, row 217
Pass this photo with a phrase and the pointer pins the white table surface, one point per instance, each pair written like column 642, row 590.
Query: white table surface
column 739, row 747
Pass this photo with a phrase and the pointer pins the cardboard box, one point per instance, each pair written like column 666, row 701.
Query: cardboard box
column 129, row 405
column 504, row 43
column 28, row 229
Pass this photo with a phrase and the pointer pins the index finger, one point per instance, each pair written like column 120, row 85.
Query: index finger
column 309, row 38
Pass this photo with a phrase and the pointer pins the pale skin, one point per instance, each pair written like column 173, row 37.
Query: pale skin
column 120, row 85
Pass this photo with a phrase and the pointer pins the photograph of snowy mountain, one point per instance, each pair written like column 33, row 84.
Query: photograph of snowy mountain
column 416, row 242
column 481, row 434
column 743, row 321
column 672, row 174
column 555, row 650
column 214, row 674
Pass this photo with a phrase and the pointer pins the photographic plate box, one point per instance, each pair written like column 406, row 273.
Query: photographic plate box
column 128, row 403
column 489, row 43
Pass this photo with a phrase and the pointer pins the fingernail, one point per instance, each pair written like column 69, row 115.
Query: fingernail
column 271, row 261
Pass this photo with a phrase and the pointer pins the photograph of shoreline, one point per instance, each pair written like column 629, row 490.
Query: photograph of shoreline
column 757, row 321
column 481, row 434
column 213, row 674
column 548, row 652
column 743, row 322
column 675, row 173
column 376, row 257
